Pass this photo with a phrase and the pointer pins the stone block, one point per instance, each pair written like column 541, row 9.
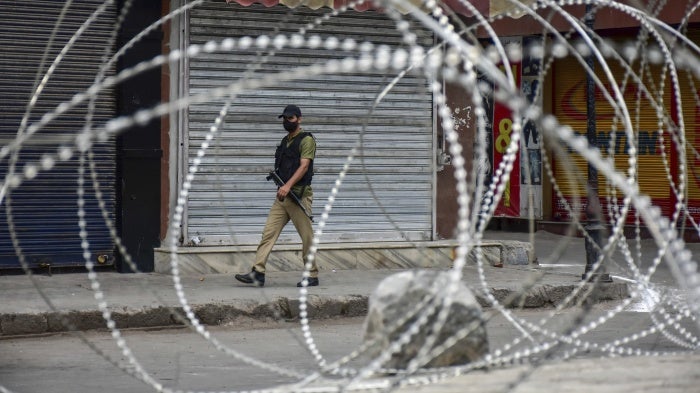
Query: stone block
column 403, row 299
column 517, row 253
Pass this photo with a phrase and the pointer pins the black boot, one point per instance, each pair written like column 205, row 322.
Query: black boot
column 255, row 278
column 312, row 282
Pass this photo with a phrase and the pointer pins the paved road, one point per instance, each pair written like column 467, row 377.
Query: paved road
column 181, row 359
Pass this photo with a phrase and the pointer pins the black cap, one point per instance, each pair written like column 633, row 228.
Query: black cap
column 291, row 110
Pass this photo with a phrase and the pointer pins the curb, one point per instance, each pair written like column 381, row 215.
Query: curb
column 319, row 307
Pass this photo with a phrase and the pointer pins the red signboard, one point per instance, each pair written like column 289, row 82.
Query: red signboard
column 502, row 133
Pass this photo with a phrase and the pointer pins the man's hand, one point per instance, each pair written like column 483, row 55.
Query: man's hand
column 282, row 192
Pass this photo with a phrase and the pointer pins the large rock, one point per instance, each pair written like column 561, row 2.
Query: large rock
column 397, row 296
column 517, row 253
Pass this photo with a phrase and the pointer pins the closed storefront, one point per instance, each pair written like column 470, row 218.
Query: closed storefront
column 656, row 163
column 388, row 191
column 44, row 219
column 690, row 103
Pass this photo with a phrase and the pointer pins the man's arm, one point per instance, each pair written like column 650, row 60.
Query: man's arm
column 298, row 174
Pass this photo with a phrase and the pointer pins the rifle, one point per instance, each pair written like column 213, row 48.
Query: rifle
column 276, row 178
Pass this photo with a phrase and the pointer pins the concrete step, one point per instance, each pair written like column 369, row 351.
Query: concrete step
column 341, row 256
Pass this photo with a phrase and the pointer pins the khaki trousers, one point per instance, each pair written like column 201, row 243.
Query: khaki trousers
column 277, row 219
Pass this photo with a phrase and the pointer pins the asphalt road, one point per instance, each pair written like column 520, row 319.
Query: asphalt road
column 181, row 359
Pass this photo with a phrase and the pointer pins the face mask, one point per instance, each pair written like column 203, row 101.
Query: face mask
column 290, row 125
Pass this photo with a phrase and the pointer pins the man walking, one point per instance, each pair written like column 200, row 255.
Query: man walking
column 294, row 164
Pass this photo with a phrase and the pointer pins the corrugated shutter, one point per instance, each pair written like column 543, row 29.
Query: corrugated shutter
column 570, row 108
column 690, row 99
column 230, row 197
column 45, row 209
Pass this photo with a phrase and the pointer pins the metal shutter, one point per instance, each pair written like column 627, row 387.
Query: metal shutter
column 230, row 198
column 45, row 209
column 569, row 88
column 690, row 98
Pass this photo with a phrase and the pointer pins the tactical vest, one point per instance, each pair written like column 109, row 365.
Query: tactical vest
column 287, row 160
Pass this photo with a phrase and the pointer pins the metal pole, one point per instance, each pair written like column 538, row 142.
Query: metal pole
column 594, row 212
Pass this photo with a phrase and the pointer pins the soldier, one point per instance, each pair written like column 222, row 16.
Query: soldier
column 294, row 164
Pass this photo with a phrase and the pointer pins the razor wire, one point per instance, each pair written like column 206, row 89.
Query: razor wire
column 456, row 59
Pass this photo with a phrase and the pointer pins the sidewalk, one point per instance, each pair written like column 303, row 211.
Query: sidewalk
column 149, row 299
